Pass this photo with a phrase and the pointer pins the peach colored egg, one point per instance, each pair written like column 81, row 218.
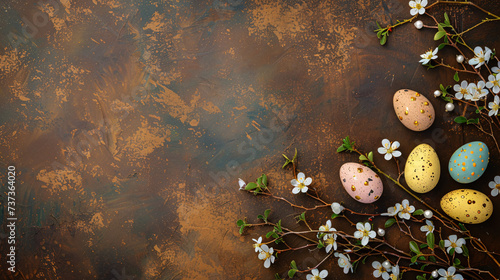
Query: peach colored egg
column 413, row 109
column 360, row 182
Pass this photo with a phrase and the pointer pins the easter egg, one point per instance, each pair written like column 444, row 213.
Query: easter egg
column 422, row 169
column 413, row 109
column 469, row 162
column 360, row 182
column 467, row 206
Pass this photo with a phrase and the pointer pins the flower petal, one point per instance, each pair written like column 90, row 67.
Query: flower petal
column 308, row 181
column 301, row 176
column 376, row 265
column 494, row 192
column 323, row 273
column 296, row 190
column 423, row 3
column 388, row 156
column 386, row 143
column 295, row 183
column 395, row 145
column 396, row 153
column 382, row 150
column 304, row 189
column 359, row 226
column 497, row 179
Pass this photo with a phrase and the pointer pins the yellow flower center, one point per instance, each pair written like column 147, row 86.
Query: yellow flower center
column 330, row 241
column 429, row 228
column 365, row 233
column 495, row 83
column 497, row 186
column 463, row 91
column 267, row 255
column 453, row 245
column 418, row 6
column 316, row 278
column 301, row 185
column 257, row 245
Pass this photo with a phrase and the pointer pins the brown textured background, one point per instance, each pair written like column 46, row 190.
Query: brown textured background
column 129, row 123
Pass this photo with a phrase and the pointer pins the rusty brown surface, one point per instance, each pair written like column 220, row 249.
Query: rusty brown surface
column 129, row 123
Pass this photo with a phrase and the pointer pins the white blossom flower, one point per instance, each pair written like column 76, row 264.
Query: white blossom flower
column 266, row 255
column 481, row 57
column 344, row 262
column 380, row 270
column 301, row 183
column 417, row 7
column 389, row 149
column 428, row 56
column 494, row 83
column 258, row 243
column 406, row 210
column 495, row 184
column 496, row 69
column 393, row 211
column 461, row 89
column 453, row 242
column 364, row 233
column 337, row 208
column 450, row 274
column 316, row 275
column 242, row 184
column 395, row 273
column 326, row 227
column 330, row 241
column 476, row 92
column 494, row 106
column 428, row 228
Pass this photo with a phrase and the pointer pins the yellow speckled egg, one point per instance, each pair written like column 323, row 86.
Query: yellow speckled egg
column 413, row 109
column 467, row 206
column 422, row 169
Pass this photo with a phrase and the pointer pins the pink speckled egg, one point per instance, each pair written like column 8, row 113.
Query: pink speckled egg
column 360, row 182
column 413, row 109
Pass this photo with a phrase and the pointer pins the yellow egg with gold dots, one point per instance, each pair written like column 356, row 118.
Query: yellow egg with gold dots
column 469, row 162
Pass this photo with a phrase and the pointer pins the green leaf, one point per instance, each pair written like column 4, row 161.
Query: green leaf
column 418, row 212
column 291, row 273
column 286, row 157
column 431, row 240
column 383, row 40
column 420, row 277
column 251, row 186
column 277, row 277
column 320, row 244
column 452, row 251
column 479, row 109
column 341, row 149
column 260, row 217
column 424, row 266
column 465, row 251
column 293, row 265
column 363, row 261
column 440, row 28
column 266, row 213
column 441, row 244
column 473, row 121
column 423, row 245
column 295, row 155
column 421, row 258
column 460, row 119
column 441, row 87
column 446, row 40
column 278, row 226
column 362, row 157
column 264, row 180
column 240, row 223
column 462, row 227
column 432, row 259
column 414, row 259
column 446, row 19
column 379, row 27
column 335, row 215
column 414, row 247
column 370, row 156
column 439, row 35
column 456, row 262
column 455, row 77
column 389, row 222
column 242, row 228
column 269, row 234
column 441, row 46
column 379, row 34
column 302, row 216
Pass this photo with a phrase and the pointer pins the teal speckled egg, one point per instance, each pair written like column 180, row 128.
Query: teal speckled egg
column 469, row 162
